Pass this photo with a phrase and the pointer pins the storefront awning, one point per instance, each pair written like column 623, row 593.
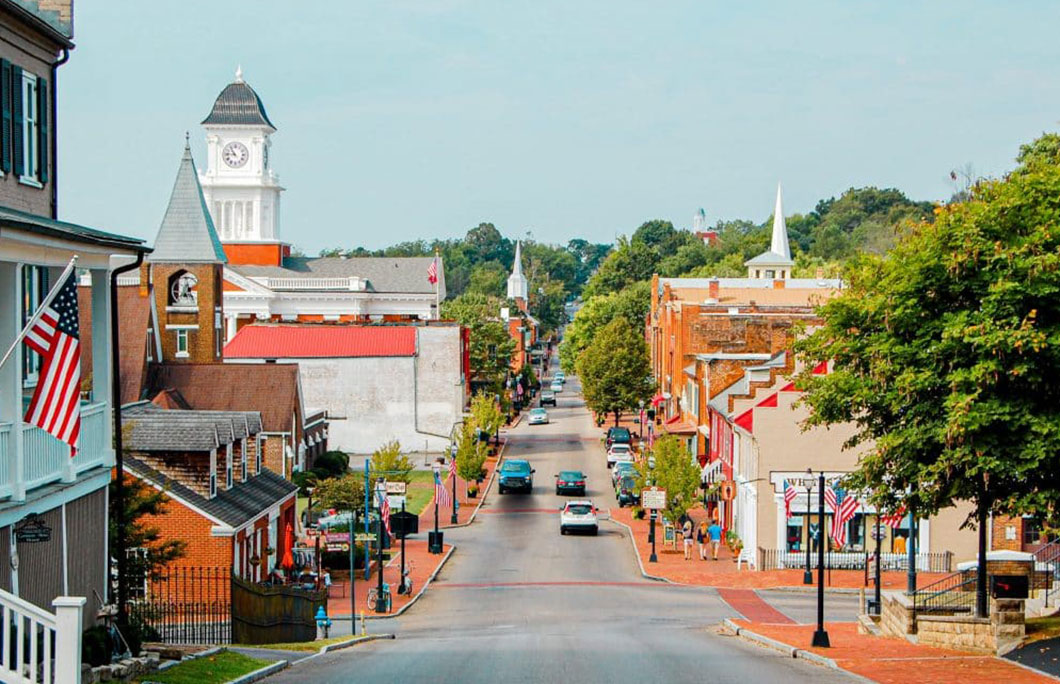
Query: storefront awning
column 677, row 426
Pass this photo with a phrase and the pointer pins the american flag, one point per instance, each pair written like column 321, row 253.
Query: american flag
column 789, row 496
column 384, row 511
column 432, row 271
column 56, row 403
column 845, row 505
column 452, row 466
column 894, row 520
column 441, row 494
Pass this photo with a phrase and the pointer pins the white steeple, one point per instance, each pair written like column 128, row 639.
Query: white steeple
column 779, row 245
column 776, row 262
column 518, row 287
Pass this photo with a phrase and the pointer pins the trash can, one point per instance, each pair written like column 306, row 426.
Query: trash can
column 434, row 541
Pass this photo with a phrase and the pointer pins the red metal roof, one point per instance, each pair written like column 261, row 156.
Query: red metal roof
column 323, row 341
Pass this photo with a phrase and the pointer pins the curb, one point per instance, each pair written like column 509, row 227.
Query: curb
column 353, row 642
column 258, row 675
column 795, row 652
column 1028, row 668
column 485, row 490
column 415, row 598
column 636, row 554
column 812, row 588
column 202, row 654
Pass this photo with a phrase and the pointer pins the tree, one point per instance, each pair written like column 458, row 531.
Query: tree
column 140, row 501
column 675, row 472
column 485, row 413
column 615, row 370
column 470, row 452
column 491, row 346
column 945, row 358
column 631, row 304
column 628, row 263
column 489, row 279
column 344, row 493
column 390, row 464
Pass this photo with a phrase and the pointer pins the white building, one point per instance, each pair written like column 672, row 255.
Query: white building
column 377, row 382
column 263, row 281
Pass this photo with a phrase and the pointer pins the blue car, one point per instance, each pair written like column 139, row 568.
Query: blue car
column 516, row 475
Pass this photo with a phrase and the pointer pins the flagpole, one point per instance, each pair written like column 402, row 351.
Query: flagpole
column 437, row 279
column 40, row 310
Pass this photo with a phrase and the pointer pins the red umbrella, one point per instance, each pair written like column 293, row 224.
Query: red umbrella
column 288, row 542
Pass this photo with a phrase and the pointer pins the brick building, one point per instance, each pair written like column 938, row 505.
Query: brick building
column 222, row 501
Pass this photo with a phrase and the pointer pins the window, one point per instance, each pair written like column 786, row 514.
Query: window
column 34, row 290
column 243, row 462
column 30, row 114
column 218, row 337
column 1032, row 531
column 183, row 289
column 213, row 484
column 150, row 344
column 228, row 467
column 257, row 455
column 182, row 343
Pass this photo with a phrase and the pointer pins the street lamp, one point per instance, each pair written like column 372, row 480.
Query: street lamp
column 434, row 544
column 820, row 637
column 807, row 482
column 651, row 529
column 308, row 522
column 452, row 454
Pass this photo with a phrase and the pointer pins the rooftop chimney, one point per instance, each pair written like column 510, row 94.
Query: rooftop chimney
column 713, row 288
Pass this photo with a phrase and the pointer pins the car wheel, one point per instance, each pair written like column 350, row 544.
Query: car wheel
column 562, row 530
column 500, row 489
column 557, row 491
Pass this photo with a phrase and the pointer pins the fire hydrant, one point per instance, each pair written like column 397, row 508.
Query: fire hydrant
column 323, row 623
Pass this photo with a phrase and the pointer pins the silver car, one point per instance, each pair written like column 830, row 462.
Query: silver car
column 538, row 416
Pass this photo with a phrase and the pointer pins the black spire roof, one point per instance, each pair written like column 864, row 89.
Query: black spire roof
column 238, row 105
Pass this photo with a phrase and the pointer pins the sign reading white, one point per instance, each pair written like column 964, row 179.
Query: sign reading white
column 395, row 487
column 653, row 498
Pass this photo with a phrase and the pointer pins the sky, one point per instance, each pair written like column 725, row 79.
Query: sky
column 401, row 120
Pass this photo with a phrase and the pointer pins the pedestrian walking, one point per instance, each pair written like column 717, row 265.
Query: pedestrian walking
column 702, row 535
column 686, row 531
column 715, row 538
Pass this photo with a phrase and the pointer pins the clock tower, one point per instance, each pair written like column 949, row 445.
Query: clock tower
column 241, row 191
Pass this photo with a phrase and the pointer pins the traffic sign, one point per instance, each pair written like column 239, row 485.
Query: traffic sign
column 653, row 498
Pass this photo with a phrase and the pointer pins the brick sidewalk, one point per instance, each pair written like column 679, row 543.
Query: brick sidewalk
column 724, row 573
column 423, row 565
column 890, row 660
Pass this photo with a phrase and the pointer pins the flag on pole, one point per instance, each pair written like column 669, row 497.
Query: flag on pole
column 432, row 271
column 452, row 466
column 55, row 335
column 384, row 511
column 894, row 520
column 789, row 496
column 441, row 494
column 846, row 507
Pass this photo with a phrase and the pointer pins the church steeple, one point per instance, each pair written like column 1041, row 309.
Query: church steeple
column 518, row 287
column 187, row 233
column 776, row 263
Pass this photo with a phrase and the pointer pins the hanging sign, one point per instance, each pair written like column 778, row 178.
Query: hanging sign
column 32, row 529
column 653, row 498
column 727, row 490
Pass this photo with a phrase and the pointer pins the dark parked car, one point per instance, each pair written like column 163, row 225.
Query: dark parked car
column 516, row 474
column 618, row 435
column 627, row 492
column 571, row 482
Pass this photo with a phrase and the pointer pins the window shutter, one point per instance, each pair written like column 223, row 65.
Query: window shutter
column 42, row 130
column 5, row 122
column 16, row 118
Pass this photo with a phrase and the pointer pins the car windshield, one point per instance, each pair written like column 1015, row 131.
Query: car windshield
column 538, row 412
column 619, row 435
column 625, row 466
column 570, row 475
column 628, row 483
column 620, row 449
column 579, row 509
column 516, row 467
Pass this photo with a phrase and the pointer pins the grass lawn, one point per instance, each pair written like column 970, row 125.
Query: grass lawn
column 1043, row 627
column 306, row 646
column 218, row 668
column 420, row 491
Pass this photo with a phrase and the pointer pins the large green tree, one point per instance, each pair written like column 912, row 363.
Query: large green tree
column 946, row 354
column 631, row 304
column 675, row 472
column 491, row 346
column 615, row 370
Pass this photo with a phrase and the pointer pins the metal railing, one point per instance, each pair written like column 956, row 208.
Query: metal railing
column 779, row 559
column 184, row 605
column 351, row 284
column 38, row 646
column 952, row 594
column 1047, row 569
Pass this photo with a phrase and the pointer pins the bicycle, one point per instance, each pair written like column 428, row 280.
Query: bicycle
column 373, row 598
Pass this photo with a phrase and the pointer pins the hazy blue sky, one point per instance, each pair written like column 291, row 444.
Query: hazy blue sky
column 401, row 120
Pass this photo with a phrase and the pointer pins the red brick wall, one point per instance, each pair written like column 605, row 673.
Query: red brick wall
column 182, row 523
column 201, row 341
column 998, row 538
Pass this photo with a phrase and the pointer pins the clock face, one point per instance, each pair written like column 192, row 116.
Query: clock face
column 235, row 154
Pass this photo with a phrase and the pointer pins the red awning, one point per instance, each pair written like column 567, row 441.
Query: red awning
column 657, row 399
column 677, row 426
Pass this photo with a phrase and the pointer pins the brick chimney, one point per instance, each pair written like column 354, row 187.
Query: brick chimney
column 778, row 284
column 713, row 289
column 145, row 279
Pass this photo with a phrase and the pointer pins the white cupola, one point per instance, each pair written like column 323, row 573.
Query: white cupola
column 518, row 286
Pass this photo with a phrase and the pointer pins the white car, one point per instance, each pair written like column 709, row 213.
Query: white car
column 578, row 515
column 619, row 452
column 559, row 377
column 556, row 386
column 538, row 416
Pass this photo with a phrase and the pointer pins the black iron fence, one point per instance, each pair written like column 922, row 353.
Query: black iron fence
column 1047, row 568
column 779, row 559
column 186, row 605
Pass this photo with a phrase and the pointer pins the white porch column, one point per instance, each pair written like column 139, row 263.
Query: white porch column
column 230, row 327
column 101, row 348
column 68, row 638
column 11, row 372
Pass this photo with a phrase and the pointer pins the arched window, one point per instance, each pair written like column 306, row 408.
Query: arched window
column 183, row 289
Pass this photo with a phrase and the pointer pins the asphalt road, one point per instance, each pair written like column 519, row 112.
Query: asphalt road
column 520, row 603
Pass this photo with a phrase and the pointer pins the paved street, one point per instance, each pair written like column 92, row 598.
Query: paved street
column 518, row 602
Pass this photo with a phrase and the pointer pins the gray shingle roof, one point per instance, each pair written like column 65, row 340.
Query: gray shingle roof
column 770, row 259
column 384, row 274
column 187, row 234
column 156, row 429
column 70, row 231
column 237, row 506
column 238, row 105
column 243, row 423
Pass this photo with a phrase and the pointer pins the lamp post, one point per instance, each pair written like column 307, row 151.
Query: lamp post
column 435, row 544
column 651, row 529
column 910, row 577
column 308, row 519
column 876, row 592
column 353, row 574
column 820, row 637
column 807, row 576
column 453, row 519
column 380, row 600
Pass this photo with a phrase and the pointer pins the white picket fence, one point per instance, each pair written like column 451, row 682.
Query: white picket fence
column 38, row 647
